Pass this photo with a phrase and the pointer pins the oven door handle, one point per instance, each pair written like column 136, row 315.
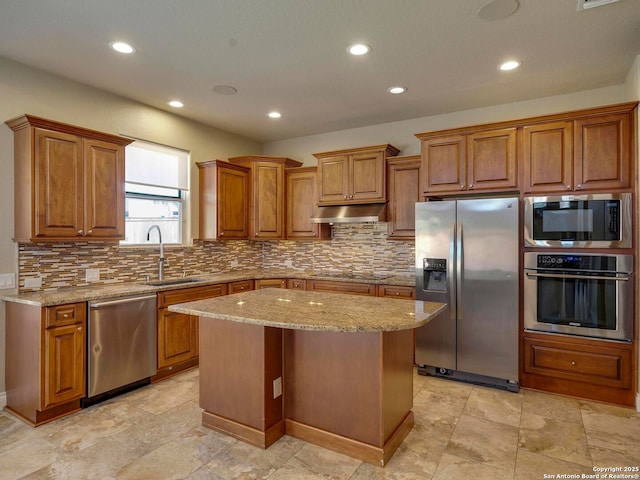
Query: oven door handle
column 617, row 278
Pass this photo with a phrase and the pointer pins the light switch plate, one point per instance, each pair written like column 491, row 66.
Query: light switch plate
column 7, row 280
column 33, row 282
column 92, row 275
column 277, row 387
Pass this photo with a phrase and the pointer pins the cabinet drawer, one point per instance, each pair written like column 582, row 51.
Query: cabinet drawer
column 240, row 286
column 172, row 297
column 271, row 283
column 68, row 314
column 599, row 365
column 342, row 287
column 396, row 291
column 297, row 284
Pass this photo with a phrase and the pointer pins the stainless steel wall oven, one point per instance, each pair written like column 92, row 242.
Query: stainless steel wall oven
column 578, row 221
column 579, row 294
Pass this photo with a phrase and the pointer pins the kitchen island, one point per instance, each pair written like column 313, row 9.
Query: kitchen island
column 331, row 369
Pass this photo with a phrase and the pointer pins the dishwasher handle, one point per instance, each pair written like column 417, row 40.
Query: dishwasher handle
column 120, row 301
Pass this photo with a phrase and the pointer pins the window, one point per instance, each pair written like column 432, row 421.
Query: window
column 157, row 183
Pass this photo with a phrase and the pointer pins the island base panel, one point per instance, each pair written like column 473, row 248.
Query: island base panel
column 378, row 456
column 250, row 435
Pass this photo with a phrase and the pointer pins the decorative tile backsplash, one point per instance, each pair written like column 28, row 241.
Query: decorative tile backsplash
column 358, row 247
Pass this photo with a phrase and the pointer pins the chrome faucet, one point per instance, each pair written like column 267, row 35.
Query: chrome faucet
column 161, row 259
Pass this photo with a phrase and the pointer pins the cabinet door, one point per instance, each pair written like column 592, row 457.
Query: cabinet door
column 104, row 190
column 404, row 191
column 177, row 338
column 268, row 198
column 301, row 201
column 58, row 185
column 602, row 147
column 353, row 288
column 547, row 158
column 240, row 286
column 367, row 177
column 491, row 160
column 232, row 207
column 397, row 291
column 333, row 179
column 64, row 360
column 443, row 164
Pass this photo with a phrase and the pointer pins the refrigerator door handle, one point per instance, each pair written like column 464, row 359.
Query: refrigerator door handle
column 452, row 284
column 459, row 269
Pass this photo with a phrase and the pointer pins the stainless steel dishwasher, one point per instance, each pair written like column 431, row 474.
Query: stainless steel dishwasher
column 121, row 345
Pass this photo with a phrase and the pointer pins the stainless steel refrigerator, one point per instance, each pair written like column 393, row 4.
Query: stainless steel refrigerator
column 467, row 256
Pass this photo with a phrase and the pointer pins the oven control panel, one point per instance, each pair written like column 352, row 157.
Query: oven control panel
column 577, row 262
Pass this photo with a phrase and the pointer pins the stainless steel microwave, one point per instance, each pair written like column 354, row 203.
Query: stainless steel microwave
column 578, row 221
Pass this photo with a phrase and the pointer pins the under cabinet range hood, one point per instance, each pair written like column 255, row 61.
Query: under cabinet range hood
column 370, row 212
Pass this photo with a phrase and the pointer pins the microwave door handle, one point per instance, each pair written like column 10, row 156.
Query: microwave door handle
column 617, row 278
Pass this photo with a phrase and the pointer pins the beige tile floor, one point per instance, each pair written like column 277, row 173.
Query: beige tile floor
column 462, row 431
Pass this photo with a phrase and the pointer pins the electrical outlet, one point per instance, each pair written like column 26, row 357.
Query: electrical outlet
column 92, row 274
column 277, row 387
column 33, row 282
column 7, row 280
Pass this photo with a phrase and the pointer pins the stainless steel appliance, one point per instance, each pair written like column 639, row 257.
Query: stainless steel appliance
column 467, row 256
column 595, row 221
column 579, row 294
column 121, row 345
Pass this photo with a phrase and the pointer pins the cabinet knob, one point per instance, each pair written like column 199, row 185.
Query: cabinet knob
column 66, row 315
column 80, row 232
column 578, row 187
column 573, row 362
column 568, row 187
column 345, row 197
column 255, row 234
column 79, row 329
column 461, row 186
column 397, row 293
column 471, row 185
column 350, row 196
column 90, row 232
column 241, row 288
column 221, row 233
column 315, row 234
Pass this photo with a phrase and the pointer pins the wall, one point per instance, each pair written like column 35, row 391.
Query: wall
column 632, row 92
column 402, row 134
column 27, row 90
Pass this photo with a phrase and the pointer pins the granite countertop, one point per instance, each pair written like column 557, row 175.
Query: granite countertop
column 319, row 311
column 123, row 289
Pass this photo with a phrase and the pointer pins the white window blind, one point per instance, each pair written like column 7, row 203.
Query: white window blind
column 156, row 165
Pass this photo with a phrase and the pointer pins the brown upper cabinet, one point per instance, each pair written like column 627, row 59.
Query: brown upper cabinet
column 69, row 181
column 302, row 197
column 403, row 186
column 591, row 153
column 224, row 200
column 469, row 162
column 356, row 175
column 267, row 206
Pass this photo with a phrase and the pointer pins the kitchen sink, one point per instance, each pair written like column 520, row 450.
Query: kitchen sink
column 172, row 281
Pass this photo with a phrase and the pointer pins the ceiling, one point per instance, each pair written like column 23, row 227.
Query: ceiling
column 290, row 55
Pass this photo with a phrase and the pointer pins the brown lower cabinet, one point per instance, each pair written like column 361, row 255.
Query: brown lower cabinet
column 353, row 288
column 177, row 332
column 241, row 286
column 587, row 368
column 46, row 354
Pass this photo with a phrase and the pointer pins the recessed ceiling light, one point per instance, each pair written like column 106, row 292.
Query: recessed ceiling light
column 274, row 114
column 122, row 47
column 225, row 90
column 498, row 9
column 359, row 49
column 176, row 104
column 510, row 65
column 396, row 90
